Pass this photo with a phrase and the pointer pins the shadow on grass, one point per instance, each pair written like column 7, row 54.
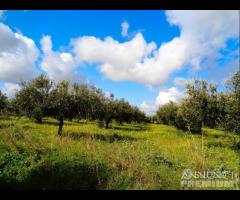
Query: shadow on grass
column 102, row 137
column 5, row 117
column 54, row 173
column 68, row 176
column 25, row 127
column 133, row 128
column 6, row 125
column 233, row 145
column 56, row 123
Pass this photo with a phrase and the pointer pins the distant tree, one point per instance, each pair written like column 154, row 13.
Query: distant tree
column 107, row 112
column 96, row 99
column 3, row 102
column 233, row 84
column 137, row 115
column 204, row 106
column 124, row 111
column 154, row 119
column 167, row 113
column 42, row 97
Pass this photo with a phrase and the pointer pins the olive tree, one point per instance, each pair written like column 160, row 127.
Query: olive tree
column 167, row 113
column 61, row 104
column 107, row 110
column 232, row 104
column 124, row 111
column 31, row 99
column 3, row 102
column 191, row 114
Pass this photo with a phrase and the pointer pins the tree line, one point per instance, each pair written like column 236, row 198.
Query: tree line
column 42, row 97
column 205, row 106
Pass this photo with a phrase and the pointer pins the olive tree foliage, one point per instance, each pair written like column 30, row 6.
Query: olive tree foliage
column 3, row 102
column 231, row 101
column 31, row 99
column 213, row 113
column 123, row 109
column 167, row 113
column 233, row 84
column 61, row 104
column 107, row 110
column 191, row 113
column 205, row 106
column 62, row 100
column 119, row 110
column 138, row 116
column 200, row 108
column 87, row 101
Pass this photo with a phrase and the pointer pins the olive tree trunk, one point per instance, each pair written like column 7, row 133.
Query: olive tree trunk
column 60, row 126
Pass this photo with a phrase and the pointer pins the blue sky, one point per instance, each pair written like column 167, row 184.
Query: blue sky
column 214, row 62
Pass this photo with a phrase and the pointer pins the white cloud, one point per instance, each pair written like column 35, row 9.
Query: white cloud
column 58, row 65
column 171, row 94
column 148, row 107
column 18, row 54
column 117, row 60
column 181, row 82
column 125, row 26
column 2, row 13
column 108, row 94
column 164, row 97
column 10, row 89
column 202, row 34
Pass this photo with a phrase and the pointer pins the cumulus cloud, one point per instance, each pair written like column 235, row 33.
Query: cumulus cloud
column 171, row 94
column 202, row 34
column 58, row 65
column 181, row 82
column 148, row 107
column 125, row 26
column 117, row 60
column 18, row 55
column 10, row 89
column 164, row 97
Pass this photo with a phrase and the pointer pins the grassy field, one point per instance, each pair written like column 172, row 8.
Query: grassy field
column 149, row 156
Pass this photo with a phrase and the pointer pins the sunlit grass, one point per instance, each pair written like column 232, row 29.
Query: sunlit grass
column 135, row 156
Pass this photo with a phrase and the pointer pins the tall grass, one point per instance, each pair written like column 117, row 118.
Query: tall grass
column 136, row 156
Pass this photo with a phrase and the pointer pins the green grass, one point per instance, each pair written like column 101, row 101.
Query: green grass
column 135, row 156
